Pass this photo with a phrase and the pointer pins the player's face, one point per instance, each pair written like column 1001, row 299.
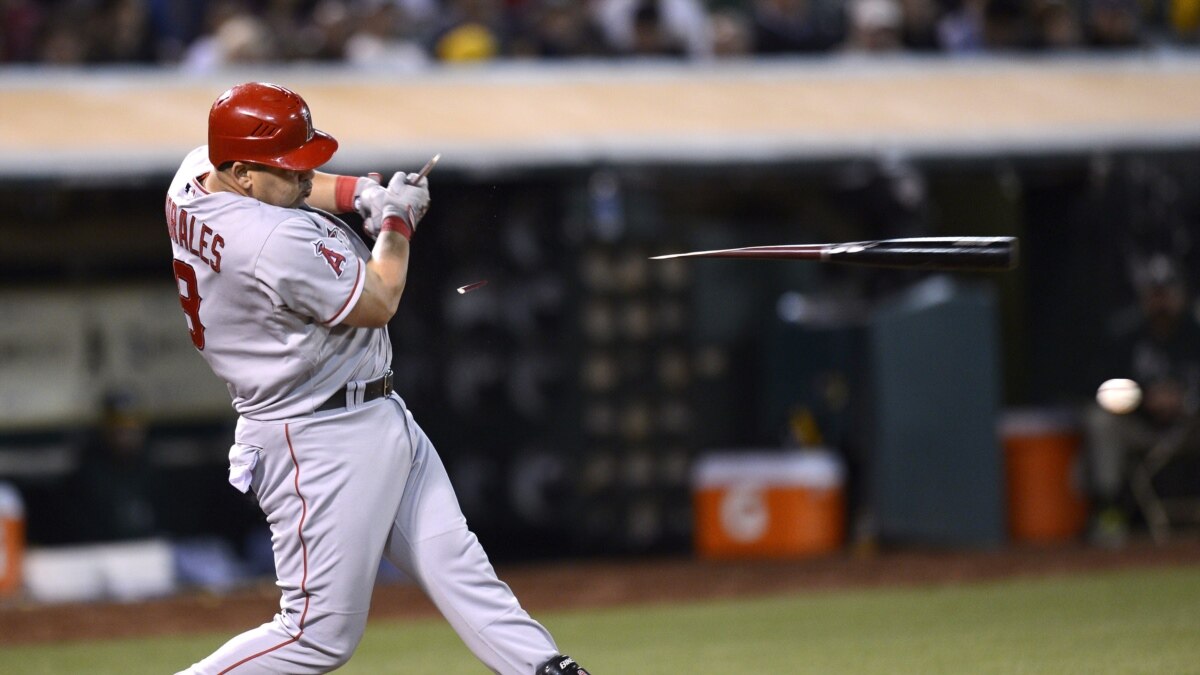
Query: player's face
column 280, row 187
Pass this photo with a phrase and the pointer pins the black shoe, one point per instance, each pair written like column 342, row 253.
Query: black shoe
column 560, row 665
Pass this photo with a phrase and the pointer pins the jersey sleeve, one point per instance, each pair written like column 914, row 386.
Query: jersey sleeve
column 313, row 269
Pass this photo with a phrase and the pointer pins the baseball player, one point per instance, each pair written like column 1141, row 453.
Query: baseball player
column 290, row 308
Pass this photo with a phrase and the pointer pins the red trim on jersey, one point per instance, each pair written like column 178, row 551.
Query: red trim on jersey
column 198, row 181
column 303, row 547
column 357, row 279
column 300, row 528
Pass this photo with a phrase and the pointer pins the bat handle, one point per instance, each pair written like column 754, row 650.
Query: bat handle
column 426, row 169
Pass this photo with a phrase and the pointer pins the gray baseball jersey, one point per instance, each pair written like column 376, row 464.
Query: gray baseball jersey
column 264, row 291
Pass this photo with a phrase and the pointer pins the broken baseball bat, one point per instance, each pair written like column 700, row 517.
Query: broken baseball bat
column 925, row 253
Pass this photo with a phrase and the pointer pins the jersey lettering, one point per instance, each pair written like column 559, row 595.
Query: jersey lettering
column 336, row 261
column 189, row 300
column 203, row 242
column 214, row 247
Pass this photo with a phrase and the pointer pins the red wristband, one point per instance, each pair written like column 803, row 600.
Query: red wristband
column 397, row 224
column 343, row 193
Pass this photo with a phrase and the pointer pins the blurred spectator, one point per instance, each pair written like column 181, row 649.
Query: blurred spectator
column 175, row 25
column 333, row 24
column 472, row 30
column 795, row 26
column 128, row 31
column 960, row 28
column 1156, row 344
column 650, row 34
column 1111, row 24
column 1056, row 26
column 1006, row 25
column 380, row 40
column 875, row 26
column 1183, row 16
column 237, row 37
column 20, row 23
column 293, row 28
column 420, row 12
column 656, row 27
column 66, row 38
column 919, row 31
column 114, row 484
column 731, row 34
column 558, row 29
column 210, row 34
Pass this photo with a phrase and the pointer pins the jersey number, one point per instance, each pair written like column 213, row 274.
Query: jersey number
column 189, row 299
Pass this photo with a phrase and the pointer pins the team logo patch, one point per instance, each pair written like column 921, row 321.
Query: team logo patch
column 335, row 260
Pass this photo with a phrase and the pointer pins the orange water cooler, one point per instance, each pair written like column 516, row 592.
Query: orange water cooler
column 768, row 504
column 12, row 539
column 1044, row 478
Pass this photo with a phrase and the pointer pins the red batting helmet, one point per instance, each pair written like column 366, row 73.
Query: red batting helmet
column 266, row 124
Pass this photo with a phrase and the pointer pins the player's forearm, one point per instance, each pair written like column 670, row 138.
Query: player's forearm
column 387, row 272
column 324, row 192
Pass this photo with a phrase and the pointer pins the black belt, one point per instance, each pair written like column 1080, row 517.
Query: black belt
column 377, row 388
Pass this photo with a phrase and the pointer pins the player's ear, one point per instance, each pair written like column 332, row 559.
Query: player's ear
column 240, row 173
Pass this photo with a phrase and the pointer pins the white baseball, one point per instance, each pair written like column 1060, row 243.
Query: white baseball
column 1119, row 396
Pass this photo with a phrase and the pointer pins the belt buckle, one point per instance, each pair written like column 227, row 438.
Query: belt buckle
column 387, row 382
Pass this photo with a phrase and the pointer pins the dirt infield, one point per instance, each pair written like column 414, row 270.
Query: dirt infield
column 576, row 585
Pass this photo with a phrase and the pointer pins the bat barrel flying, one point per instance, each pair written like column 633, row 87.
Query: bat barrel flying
column 928, row 253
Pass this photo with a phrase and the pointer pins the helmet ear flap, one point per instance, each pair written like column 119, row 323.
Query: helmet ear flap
column 266, row 124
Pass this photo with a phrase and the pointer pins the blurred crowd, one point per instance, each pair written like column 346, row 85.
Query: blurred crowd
column 202, row 35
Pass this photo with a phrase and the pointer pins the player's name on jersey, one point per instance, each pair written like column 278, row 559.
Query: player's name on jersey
column 203, row 242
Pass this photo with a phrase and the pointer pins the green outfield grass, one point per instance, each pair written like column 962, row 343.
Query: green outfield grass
column 1126, row 622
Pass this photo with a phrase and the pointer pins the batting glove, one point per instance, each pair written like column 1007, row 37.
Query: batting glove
column 396, row 208
column 348, row 191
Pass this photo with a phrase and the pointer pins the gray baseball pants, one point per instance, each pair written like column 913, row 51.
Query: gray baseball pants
column 341, row 490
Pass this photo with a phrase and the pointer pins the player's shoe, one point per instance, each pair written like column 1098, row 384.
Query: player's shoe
column 560, row 665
